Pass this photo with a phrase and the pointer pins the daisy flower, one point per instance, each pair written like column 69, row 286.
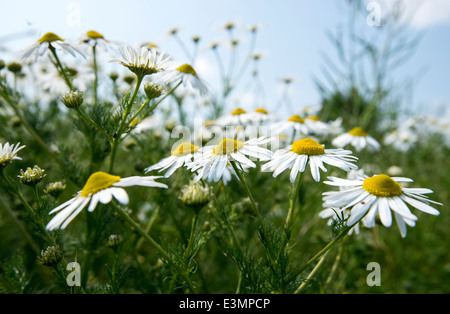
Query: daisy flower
column 237, row 117
column 8, row 153
column 358, row 138
column 295, row 123
column 46, row 42
column 297, row 155
column 181, row 156
column 335, row 214
column 100, row 187
column 380, row 195
column 212, row 162
column 143, row 61
column 316, row 126
column 185, row 74
column 259, row 116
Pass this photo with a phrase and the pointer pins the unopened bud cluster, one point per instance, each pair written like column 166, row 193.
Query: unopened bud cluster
column 51, row 257
column 153, row 90
column 73, row 99
column 114, row 241
column 55, row 189
column 31, row 176
column 195, row 195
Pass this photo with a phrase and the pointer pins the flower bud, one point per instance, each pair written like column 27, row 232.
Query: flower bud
column 113, row 76
column 195, row 196
column 14, row 67
column 32, row 176
column 51, row 257
column 153, row 90
column 114, row 241
column 73, row 99
column 55, row 189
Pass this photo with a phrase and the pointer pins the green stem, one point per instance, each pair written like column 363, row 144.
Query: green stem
column 82, row 115
column 250, row 195
column 191, row 241
column 154, row 244
column 30, row 210
column 153, row 107
column 60, row 67
column 330, row 245
column 311, row 274
column 335, row 264
column 117, row 136
column 94, row 54
column 293, row 201
column 38, row 139
column 21, row 227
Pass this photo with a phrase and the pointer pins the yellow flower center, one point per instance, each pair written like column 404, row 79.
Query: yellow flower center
column 382, row 186
column 238, row 112
column 261, row 110
column 358, row 132
column 49, row 37
column 308, row 147
column 314, row 118
column 98, row 181
column 186, row 68
column 94, row 35
column 184, row 149
column 296, row 118
column 227, row 146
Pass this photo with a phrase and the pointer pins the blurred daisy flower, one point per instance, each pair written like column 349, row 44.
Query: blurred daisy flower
column 46, row 42
column 295, row 123
column 259, row 116
column 181, row 156
column 143, row 61
column 366, row 197
column 185, row 74
column 100, row 187
column 358, row 138
column 212, row 161
column 8, row 153
column 316, row 126
column 297, row 155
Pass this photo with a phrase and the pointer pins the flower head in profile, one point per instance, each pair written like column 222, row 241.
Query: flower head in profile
column 213, row 160
column 46, row 42
column 187, row 75
column 143, row 61
column 379, row 195
column 181, row 156
column 304, row 151
column 8, row 153
column 358, row 138
column 100, row 187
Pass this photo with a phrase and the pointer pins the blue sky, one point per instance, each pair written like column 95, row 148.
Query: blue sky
column 292, row 36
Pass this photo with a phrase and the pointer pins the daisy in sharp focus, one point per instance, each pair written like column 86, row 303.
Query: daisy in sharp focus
column 358, row 138
column 46, row 42
column 181, row 156
column 335, row 214
column 381, row 195
column 143, row 61
column 185, row 74
column 304, row 151
column 100, row 187
column 212, row 162
column 8, row 153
